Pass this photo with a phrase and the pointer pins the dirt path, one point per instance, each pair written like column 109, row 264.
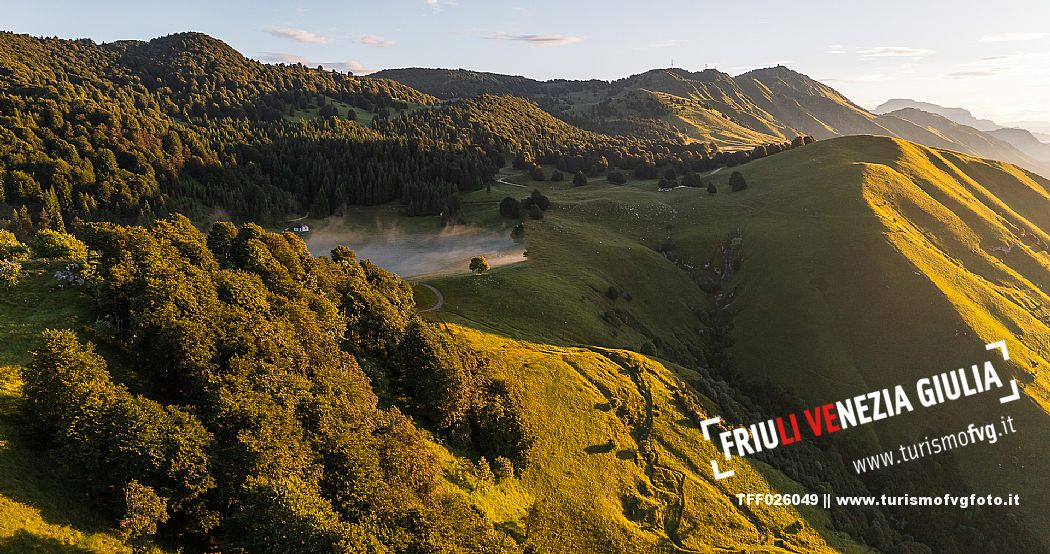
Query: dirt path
column 438, row 303
column 505, row 182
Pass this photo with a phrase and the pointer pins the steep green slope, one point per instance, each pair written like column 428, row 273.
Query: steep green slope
column 40, row 510
column 622, row 466
column 883, row 270
column 861, row 195
column 862, row 262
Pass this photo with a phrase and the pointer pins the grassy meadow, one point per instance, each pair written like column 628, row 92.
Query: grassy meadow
column 865, row 262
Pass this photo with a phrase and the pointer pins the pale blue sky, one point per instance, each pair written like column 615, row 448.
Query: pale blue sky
column 994, row 61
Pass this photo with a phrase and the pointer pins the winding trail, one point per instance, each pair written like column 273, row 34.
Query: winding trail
column 501, row 180
column 440, row 298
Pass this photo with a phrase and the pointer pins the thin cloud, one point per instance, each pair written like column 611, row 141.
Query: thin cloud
column 282, row 57
column 1027, row 64
column 836, row 49
column 970, row 74
column 536, row 40
column 376, row 41
column 352, row 66
column 298, row 35
column 433, row 4
column 895, row 52
column 1012, row 37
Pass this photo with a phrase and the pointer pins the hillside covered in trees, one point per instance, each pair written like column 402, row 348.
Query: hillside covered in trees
column 134, row 130
column 236, row 414
column 760, row 106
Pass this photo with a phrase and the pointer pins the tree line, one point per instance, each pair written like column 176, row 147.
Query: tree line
column 252, row 425
column 131, row 131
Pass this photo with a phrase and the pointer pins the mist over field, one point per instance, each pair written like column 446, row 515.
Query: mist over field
column 415, row 254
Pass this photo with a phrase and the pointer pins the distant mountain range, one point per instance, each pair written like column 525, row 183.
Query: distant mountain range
column 1041, row 129
column 958, row 115
column 1021, row 134
column 758, row 106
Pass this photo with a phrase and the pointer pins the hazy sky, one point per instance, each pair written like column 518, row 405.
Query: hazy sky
column 990, row 57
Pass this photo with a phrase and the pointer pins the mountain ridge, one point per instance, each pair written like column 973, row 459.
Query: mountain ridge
column 958, row 115
column 1024, row 135
column 733, row 111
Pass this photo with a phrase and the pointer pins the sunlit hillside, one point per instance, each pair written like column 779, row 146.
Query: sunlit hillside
column 862, row 262
column 622, row 466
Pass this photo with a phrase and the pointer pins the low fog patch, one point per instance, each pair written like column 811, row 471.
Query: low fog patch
column 416, row 254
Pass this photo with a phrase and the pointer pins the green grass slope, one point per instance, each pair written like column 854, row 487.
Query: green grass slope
column 872, row 262
column 864, row 262
column 39, row 510
column 620, row 467
column 559, row 294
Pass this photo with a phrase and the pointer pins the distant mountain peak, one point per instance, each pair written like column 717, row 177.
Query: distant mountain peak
column 958, row 115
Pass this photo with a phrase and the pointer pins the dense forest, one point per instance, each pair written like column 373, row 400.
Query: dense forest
column 232, row 409
column 130, row 131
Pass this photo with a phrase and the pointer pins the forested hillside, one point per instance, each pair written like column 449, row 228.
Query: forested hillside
column 236, row 412
column 134, row 130
column 760, row 106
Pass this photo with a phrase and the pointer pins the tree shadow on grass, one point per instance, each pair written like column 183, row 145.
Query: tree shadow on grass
column 23, row 542
column 600, row 448
column 30, row 475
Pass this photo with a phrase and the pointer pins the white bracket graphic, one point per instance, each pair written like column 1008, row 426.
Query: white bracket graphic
column 719, row 475
column 707, row 423
column 1012, row 397
column 1001, row 345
